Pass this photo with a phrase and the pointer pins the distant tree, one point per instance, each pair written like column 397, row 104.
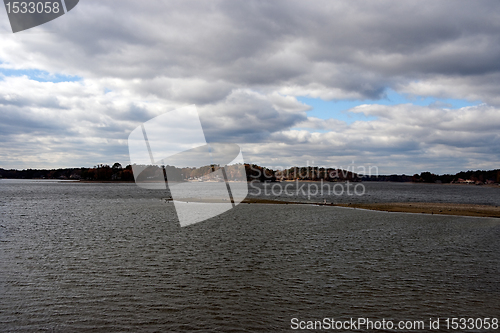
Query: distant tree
column 428, row 177
column 127, row 174
column 103, row 172
column 117, row 166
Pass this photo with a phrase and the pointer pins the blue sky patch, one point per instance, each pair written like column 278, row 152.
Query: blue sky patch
column 38, row 75
column 339, row 109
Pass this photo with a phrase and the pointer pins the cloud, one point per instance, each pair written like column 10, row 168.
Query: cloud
column 350, row 48
column 248, row 116
column 244, row 64
column 70, row 120
column 483, row 88
column 403, row 137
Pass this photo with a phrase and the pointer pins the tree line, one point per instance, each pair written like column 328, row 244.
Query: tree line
column 116, row 172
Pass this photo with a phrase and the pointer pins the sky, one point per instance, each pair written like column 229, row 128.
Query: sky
column 406, row 86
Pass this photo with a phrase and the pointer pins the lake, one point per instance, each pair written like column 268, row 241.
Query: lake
column 112, row 258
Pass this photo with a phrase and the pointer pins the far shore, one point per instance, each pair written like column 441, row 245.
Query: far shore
column 493, row 185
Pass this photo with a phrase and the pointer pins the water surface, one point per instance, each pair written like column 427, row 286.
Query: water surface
column 112, row 258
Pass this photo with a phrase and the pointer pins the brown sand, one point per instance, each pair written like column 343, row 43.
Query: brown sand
column 431, row 208
column 408, row 207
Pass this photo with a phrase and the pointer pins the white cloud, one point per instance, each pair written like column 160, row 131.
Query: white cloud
column 244, row 64
column 404, row 137
column 76, row 122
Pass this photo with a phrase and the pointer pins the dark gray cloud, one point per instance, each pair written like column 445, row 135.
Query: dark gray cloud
column 357, row 47
column 246, row 116
column 21, row 100
column 244, row 64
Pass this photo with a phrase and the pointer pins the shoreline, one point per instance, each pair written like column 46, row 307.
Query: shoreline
column 403, row 207
column 494, row 185
column 431, row 208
